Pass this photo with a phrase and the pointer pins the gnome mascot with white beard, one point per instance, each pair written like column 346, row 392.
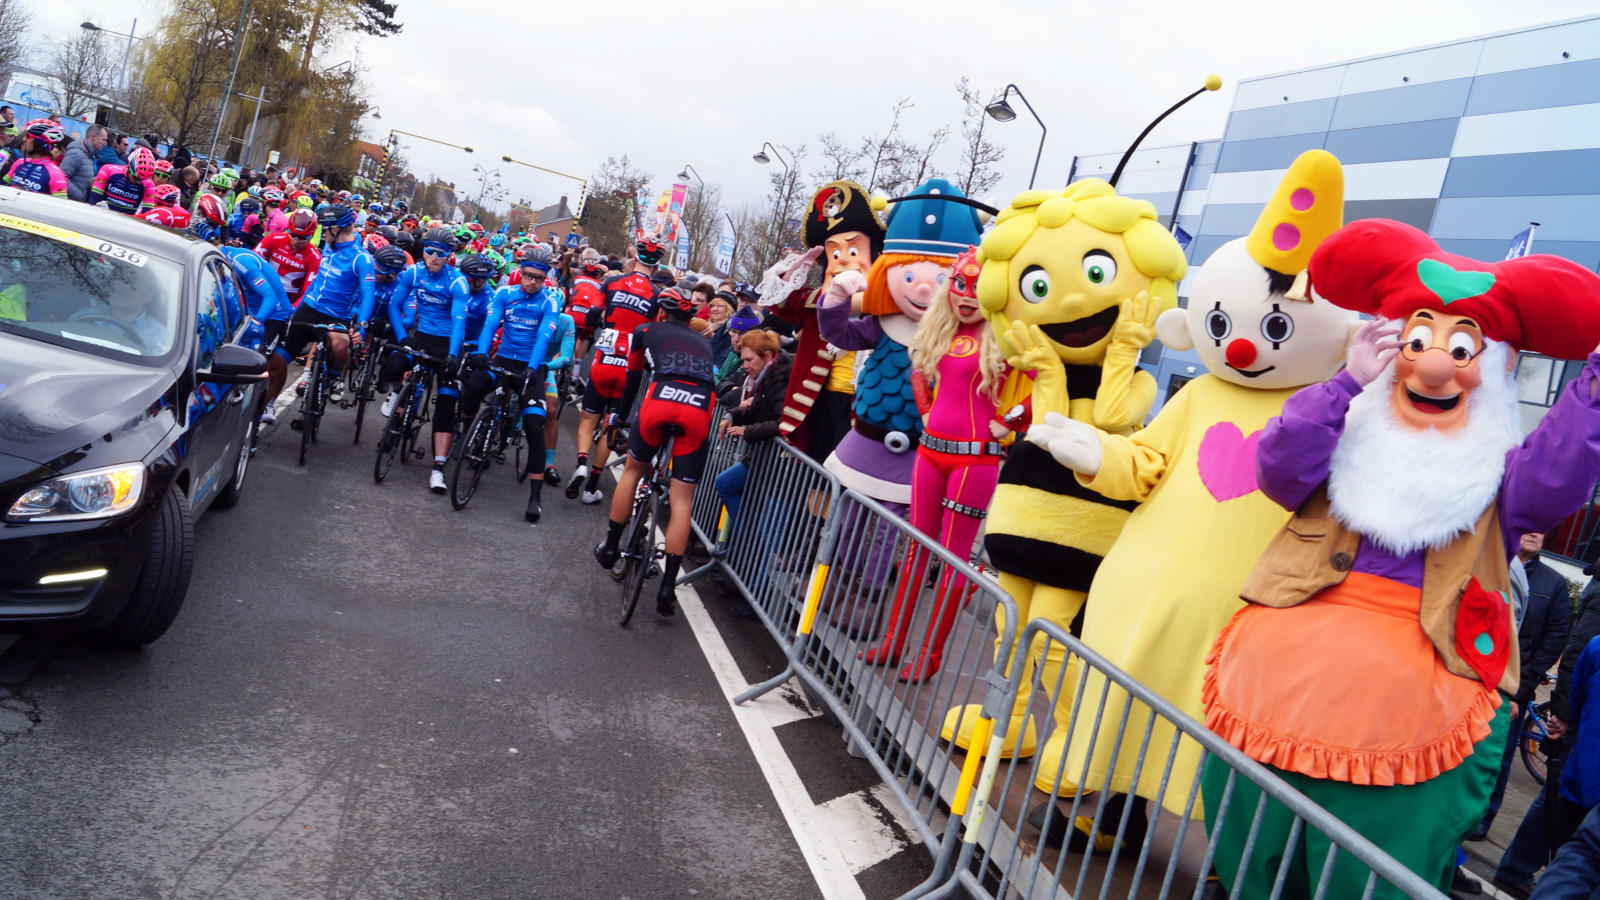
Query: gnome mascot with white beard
column 1372, row 664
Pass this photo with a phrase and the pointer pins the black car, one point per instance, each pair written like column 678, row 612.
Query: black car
column 126, row 410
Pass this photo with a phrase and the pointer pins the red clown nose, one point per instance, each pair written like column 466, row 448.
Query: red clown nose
column 1241, row 353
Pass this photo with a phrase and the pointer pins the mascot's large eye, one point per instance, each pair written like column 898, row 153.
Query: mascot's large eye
column 1419, row 339
column 1462, row 347
column 1035, row 284
column 959, row 285
column 1099, row 267
column 1276, row 326
column 1218, row 324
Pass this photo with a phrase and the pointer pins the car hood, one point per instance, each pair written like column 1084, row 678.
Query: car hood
column 60, row 408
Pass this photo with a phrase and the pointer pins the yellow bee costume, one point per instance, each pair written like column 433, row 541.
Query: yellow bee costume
column 1072, row 283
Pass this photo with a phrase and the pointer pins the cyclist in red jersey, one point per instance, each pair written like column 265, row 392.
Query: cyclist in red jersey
column 585, row 296
column 680, row 397
column 630, row 301
column 297, row 261
column 166, row 210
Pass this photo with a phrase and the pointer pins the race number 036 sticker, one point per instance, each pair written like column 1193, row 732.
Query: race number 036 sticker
column 106, row 248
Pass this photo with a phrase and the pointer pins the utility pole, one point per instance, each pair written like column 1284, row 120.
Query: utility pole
column 238, row 45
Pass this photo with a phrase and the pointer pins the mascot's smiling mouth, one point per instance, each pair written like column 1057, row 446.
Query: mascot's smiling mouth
column 1085, row 331
column 1432, row 405
column 1249, row 374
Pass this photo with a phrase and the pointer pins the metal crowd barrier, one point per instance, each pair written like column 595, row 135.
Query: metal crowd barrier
column 1121, row 726
column 872, row 562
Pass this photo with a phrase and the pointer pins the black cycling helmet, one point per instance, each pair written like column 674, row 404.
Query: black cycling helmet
column 336, row 217
column 674, row 304
column 390, row 233
column 663, row 278
column 477, row 266
column 650, row 250
column 390, row 259
column 444, row 237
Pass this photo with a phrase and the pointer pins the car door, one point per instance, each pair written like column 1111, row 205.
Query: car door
column 212, row 407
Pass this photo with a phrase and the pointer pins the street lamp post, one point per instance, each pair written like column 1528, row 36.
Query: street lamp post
column 583, row 189
column 1001, row 111
column 122, row 83
column 698, row 199
column 238, row 44
column 762, row 157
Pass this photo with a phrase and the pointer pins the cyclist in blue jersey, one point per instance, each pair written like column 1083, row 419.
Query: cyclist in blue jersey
column 436, row 327
column 264, row 296
column 562, row 347
column 387, row 264
column 480, row 272
column 341, row 293
column 530, row 320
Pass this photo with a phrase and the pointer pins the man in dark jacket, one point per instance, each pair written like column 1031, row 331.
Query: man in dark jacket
column 1541, row 636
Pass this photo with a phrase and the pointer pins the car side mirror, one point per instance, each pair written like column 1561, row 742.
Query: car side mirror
column 235, row 364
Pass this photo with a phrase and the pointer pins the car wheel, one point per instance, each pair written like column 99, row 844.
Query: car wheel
column 163, row 581
column 229, row 495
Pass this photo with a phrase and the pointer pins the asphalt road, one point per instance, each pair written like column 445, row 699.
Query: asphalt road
column 369, row 695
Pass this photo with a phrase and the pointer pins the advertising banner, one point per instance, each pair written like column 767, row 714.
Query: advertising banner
column 723, row 264
column 675, row 211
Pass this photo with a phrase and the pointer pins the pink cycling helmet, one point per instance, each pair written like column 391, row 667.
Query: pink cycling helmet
column 142, row 163
column 166, row 194
column 46, row 132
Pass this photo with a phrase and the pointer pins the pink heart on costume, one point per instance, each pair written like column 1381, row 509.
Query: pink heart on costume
column 1228, row 461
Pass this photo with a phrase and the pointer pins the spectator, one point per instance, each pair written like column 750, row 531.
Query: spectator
column 1575, row 872
column 1546, row 619
column 738, row 325
column 8, row 123
column 182, row 157
column 754, row 418
column 700, row 295
column 107, row 154
column 718, row 311
column 1530, row 847
column 79, row 163
column 189, row 183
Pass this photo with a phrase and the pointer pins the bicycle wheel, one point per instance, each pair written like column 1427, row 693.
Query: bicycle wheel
column 363, row 390
column 639, row 550
column 1533, row 758
column 351, row 376
column 472, row 456
column 518, row 447
column 308, row 400
column 416, row 414
column 393, row 437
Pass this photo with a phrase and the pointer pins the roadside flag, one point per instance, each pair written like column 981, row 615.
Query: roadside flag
column 1522, row 244
column 1183, row 236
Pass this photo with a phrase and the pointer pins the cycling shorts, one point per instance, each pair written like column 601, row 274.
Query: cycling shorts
column 686, row 404
column 435, row 345
column 272, row 333
column 605, row 387
column 303, row 331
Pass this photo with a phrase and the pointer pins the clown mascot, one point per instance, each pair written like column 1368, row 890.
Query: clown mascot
column 1072, row 283
column 1172, row 580
column 1368, row 666
column 925, row 232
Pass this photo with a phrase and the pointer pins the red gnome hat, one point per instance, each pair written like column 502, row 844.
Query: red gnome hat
column 1541, row 303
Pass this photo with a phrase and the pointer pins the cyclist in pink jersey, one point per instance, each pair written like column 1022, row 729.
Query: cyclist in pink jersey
column 125, row 189
column 37, row 170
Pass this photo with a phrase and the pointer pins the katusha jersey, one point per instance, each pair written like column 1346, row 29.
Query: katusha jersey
column 295, row 270
column 120, row 191
column 170, row 216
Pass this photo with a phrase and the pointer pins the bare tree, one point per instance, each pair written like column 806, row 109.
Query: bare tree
column 914, row 164
column 15, row 20
column 979, row 170
column 702, row 216
column 840, row 160
column 884, row 152
column 84, row 67
column 609, row 211
column 785, row 202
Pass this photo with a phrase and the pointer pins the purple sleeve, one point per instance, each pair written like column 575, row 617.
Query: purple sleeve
column 1554, row 471
column 1296, row 446
column 840, row 330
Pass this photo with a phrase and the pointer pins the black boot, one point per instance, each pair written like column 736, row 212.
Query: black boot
column 667, row 596
column 1081, row 838
column 533, row 512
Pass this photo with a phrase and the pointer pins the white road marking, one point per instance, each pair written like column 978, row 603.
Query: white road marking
column 813, row 828
column 863, row 838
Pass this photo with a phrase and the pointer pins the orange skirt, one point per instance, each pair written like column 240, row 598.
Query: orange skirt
column 1345, row 686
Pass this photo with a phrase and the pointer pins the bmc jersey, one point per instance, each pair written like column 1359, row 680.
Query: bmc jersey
column 295, row 270
column 42, row 176
column 630, row 301
column 121, row 192
column 585, row 296
column 170, row 216
column 672, row 350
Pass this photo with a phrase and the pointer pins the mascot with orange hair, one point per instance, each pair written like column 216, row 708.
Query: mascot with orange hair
column 1371, row 665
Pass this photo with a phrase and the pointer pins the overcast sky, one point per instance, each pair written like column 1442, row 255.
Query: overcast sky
column 564, row 85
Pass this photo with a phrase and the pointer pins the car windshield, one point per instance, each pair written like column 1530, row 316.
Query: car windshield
column 71, row 289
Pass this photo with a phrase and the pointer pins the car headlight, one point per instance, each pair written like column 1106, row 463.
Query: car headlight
column 95, row 494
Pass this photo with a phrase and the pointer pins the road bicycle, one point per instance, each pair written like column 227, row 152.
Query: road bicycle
column 641, row 552
column 401, row 432
column 318, row 384
column 495, row 426
column 361, row 379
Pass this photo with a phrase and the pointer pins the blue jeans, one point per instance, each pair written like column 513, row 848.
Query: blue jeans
column 1529, row 850
column 730, row 487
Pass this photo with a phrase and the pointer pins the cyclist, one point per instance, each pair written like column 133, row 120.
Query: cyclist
column 436, row 326
column 679, row 394
column 263, row 289
column 275, row 217
column 36, row 169
column 387, row 264
column 163, row 173
column 585, row 296
column 296, row 261
column 560, row 355
column 479, row 270
column 164, row 208
column 530, row 323
column 341, row 292
column 630, row 302
column 245, row 223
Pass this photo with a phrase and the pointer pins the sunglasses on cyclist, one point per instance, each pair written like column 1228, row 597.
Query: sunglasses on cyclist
column 435, row 250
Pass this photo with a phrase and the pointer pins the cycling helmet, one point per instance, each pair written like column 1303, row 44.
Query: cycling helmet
column 463, row 234
column 342, row 197
column 163, row 168
column 497, row 240
column 477, row 266
column 390, row 233
column 475, row 228
column 376, row 208
column 302, row 223
column 141, row 163
column 248, row 205
column 536, row 257
column 272, row 196
column 376, row 242
column 229, row 174
column 44, row 131
column 439, row 238
column 401, row 206
column 594, row 267
column 221, row 182
column 253, row 190
column 650, row 250
column 209, row 208
column 410, row 217
column 672, row 302
column 304, row 200
column 166, row 194
column 337, row 217
column 389, row 260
